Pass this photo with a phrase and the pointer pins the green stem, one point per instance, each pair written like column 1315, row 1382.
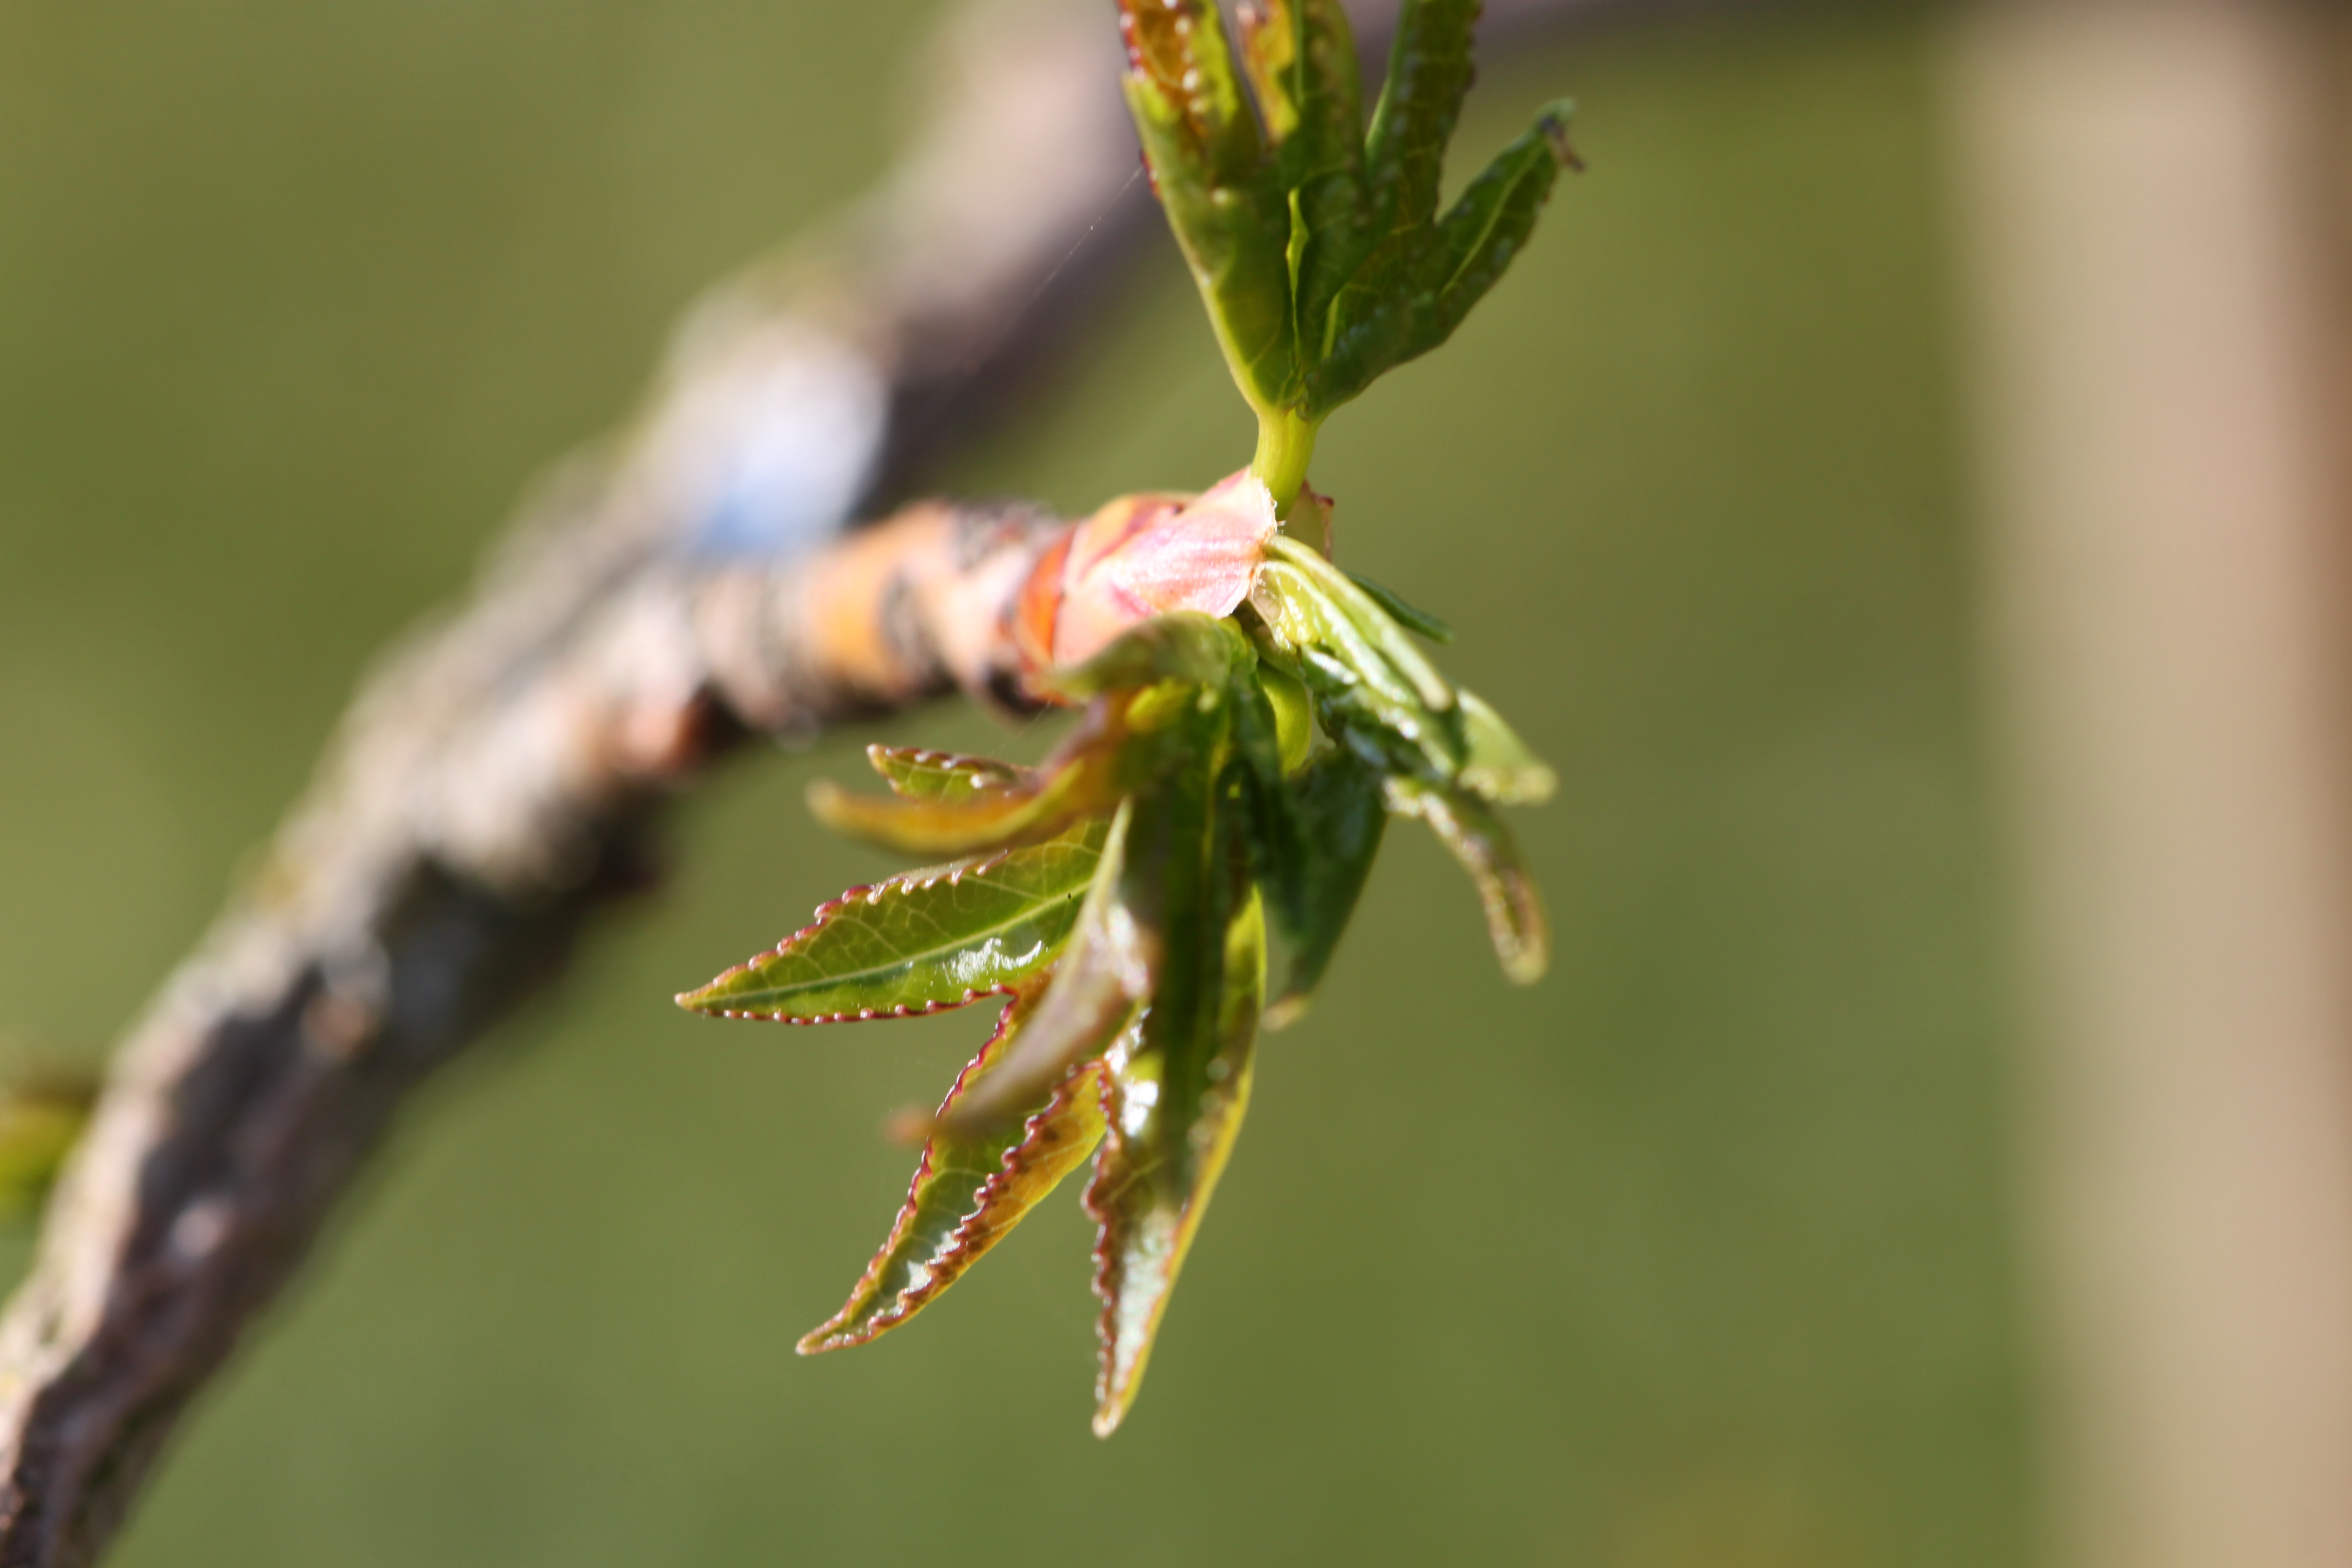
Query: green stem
column 1285, row 441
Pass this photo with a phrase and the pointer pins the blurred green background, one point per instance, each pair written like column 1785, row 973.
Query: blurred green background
column 1697, row 1256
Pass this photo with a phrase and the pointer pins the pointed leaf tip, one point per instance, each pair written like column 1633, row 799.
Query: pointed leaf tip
column 968, row 1193
column 920, row 942
column 1149, row 1202
column 1486, row 849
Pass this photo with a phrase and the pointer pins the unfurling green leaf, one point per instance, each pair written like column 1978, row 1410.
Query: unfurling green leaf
column 1484, row 845
column 1419, row 622
column 1338, row 816
column 1429, row 75
column 1500, row 767
column 1438, row 275
column 1202, row 144
column 919, row 942
column 1149, row 1207
column 968, row 1193
column 1318, row 247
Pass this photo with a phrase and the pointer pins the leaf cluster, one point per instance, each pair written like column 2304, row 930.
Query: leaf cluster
column 1316, row 240
column 1228, row 775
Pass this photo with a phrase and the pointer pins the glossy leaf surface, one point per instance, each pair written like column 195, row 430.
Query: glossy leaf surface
column 1337, row 818
column 968, row 1193
column 1431, row 281
column 1104, row 974
column 1149, row 1207
column 915, row 775
column 919, row 942
column 1200, row 142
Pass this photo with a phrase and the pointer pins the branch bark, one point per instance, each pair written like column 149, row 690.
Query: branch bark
column 686, row 583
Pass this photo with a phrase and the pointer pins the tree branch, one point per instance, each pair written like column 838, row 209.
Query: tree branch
column 685, row 583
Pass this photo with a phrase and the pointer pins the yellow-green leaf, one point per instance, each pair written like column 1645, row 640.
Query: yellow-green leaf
column 1484, row 845
column 1498, row 766
column 916, row 774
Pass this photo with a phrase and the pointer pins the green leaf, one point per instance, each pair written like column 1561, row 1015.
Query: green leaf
column 919, row 942
column 914, row 774
column 1184, row 873
column 1347, row 661
column 1499, row 767
column 1127, row 739
column 1484, row 845
column 1301, row 58
column 1429, row 74
column 968, row 1193
column 1148, row 1211
column 1291, row 711
column 1337, row 818
column 1421, row 623
column 1424, row 283
column 1202, row 144
column 1486, row 229
column 1104, row 974
column 1371, row 620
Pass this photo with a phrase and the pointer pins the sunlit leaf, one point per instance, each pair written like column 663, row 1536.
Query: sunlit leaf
column 1484, row 845
column 914, row 774
column 1370, row 618
column 1149, row 1207
column 1415, row 293
column 1182, row 878
column 1354, row 679
column 1486, row 229
column 1231, row 222
column 968, row 1193
column 1301, row 58
column 918, row 942
column 1121, row 744
column 1429, row 74
column 1499, row 766
column 1419, row 622
column 1105, row 971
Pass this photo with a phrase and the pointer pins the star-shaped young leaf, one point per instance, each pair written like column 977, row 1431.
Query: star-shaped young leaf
column 1318, row 247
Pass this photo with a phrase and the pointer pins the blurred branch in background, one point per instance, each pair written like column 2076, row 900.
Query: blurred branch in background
column 663, row 594
column 2144, row 188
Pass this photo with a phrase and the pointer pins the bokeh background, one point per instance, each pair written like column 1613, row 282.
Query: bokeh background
column 1705, row 1253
